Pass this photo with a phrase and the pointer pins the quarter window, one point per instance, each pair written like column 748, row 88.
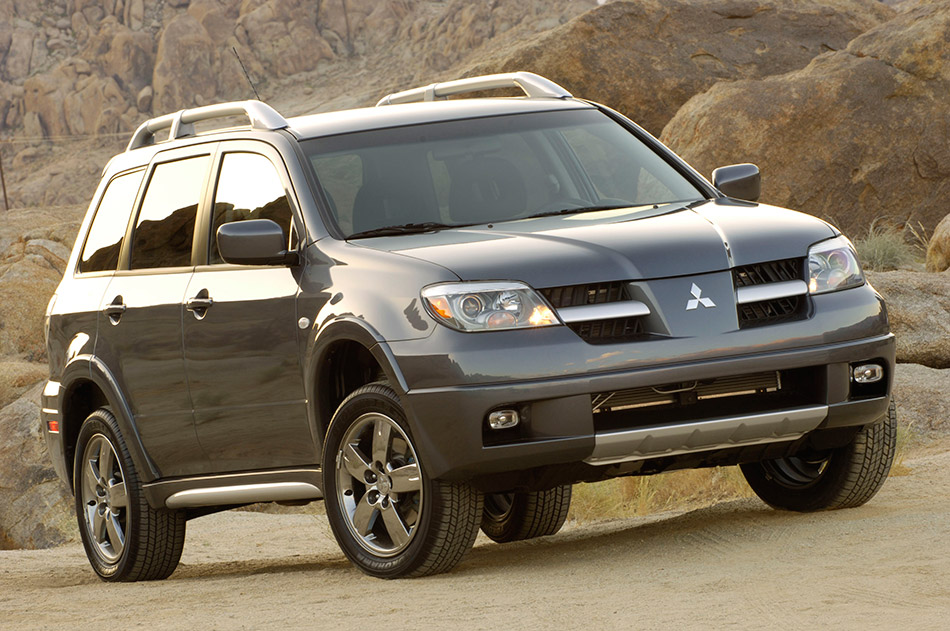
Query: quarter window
column 249, row 187
column 166, row 223
column 101, row 251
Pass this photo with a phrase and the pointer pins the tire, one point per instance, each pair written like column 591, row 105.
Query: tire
column 843, row 478
column 390, row 519
column 518, row 516
column 125, row 539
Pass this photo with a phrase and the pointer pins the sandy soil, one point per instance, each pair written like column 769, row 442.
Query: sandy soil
column 735, row 565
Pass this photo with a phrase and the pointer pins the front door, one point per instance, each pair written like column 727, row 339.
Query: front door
column 240, row 330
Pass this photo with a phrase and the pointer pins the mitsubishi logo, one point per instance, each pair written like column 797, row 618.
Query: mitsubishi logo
column 698, row 299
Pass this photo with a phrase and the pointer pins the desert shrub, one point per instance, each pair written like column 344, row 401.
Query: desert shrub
column 884, row 247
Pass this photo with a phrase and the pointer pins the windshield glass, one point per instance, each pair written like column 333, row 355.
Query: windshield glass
column 488, row 170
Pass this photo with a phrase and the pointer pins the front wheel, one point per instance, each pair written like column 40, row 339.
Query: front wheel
column 125, row 538
column 390, row 519
column 841, row 478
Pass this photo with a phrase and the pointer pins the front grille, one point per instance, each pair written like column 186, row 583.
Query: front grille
column 771, row 272
column 771, row 311
column 686, row 392
column 596, row 331
column 589, row 294
column 608, row 331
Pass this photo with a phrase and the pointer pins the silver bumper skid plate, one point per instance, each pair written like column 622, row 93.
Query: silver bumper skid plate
column 720, row 433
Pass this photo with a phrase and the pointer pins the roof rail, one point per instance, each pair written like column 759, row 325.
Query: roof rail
column 531, row 84
column 181, row 123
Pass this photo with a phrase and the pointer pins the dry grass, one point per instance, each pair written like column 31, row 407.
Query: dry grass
column 642, row 495
column 886, row 247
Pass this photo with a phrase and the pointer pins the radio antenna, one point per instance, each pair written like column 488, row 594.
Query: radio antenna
column 246, row 76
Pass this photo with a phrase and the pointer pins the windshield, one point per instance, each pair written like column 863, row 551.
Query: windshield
column 488, row 170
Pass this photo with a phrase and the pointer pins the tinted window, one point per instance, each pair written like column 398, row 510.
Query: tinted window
column 166, row 223
column 248, row 188
column 101, row 252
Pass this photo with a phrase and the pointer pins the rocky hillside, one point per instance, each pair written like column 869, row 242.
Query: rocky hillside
column 843, row 103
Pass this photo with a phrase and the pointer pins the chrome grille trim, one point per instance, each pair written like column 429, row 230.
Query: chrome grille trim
column 770, row 291
column 603, row 311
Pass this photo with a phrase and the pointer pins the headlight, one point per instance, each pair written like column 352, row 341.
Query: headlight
column 487, row 306
column 832, row 265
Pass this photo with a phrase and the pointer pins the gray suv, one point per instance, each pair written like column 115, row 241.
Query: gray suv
column 437, row 315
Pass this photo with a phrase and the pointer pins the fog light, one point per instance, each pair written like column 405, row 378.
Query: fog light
column 503, row 419
column 867, row 373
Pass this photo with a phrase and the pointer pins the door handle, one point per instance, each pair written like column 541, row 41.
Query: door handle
column 115, row 309
column 196, row 303
column 199, row 304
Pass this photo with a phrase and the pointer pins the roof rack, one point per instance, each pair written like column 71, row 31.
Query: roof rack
column 181, row 123
column 532, row 85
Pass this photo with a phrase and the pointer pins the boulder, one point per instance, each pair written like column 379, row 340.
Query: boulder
column 36, row 507
column 647, row 58
column 858, row 135
column 918, row 307
column 190, row 68
column 16, row 63
column 921, row 396
column 283, row 35
column 184, row 65
column 938, row 250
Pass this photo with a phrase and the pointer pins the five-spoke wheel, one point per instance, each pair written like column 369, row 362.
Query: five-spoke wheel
column 389, row 518
column 125, row 538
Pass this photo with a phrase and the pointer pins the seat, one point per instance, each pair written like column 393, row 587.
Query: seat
column 486, row 189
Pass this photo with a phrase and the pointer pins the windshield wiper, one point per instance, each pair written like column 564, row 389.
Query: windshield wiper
column 406, row 228
column 579, row 209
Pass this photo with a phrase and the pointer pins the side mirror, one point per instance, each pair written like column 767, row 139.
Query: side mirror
column 741, row 181
column 254, row 242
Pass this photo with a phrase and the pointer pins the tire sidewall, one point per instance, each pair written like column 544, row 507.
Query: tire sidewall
column 103, row 422
column 380, row 399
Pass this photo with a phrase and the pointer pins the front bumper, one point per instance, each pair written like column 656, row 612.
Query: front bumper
column 449, row 423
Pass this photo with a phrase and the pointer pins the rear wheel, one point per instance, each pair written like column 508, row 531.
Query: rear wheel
column 517, row 516
column 841, row 478
column 389, row 517
column 125, row 539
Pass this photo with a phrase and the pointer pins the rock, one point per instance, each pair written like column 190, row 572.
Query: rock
column 921, row 396
column 16, row 376
column 283, row 36
column 134, row 14
column 858, row 135
column 63, row 24
column 17, row 60
column 36, row 507
column 124, row 54
column 190, row 67
column 93, row 100
column 143, row 100
column 938, row 251
column 39, row 55
column 184, row 65
column 647, row 58
column 214, row 17
column 918, row 306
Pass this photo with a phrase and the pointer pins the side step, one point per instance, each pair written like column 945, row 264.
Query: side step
column 244, row 494
column 737, row 431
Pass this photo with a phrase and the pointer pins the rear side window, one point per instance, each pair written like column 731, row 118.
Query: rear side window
column 101, row 252
column 165, row 226
column 248, row 188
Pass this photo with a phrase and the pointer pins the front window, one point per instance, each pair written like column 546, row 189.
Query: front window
column 489, row 170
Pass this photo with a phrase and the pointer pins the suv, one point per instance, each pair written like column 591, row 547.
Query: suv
column 438, row 315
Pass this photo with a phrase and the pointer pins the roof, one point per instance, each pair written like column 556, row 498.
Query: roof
column 365, row 119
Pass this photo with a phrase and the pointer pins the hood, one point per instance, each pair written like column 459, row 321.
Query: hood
column 623, row 244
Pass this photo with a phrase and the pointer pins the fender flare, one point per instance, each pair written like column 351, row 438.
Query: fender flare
column 347, row 329
column 91, row 368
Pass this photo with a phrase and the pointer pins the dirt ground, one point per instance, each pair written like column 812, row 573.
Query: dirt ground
column 734, row 565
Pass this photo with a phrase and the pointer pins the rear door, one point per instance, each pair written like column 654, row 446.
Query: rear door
column 240, row 326
column 141, row 311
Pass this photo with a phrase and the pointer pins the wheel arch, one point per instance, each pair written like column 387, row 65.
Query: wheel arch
column 88, row 384
column 344, row 356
